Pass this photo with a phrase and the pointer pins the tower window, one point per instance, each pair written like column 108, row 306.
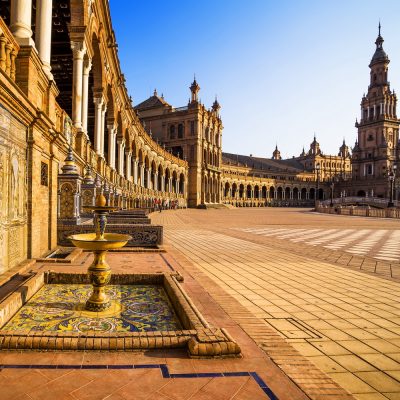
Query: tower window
column 192, row 128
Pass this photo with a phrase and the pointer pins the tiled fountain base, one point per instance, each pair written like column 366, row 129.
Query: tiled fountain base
column 134, row 308
column 149, row 311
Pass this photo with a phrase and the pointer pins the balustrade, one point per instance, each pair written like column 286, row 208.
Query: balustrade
column 9, row 49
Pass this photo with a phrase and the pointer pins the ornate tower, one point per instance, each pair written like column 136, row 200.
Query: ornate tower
column 378, row 130
column 276, row 155
column 194, row 89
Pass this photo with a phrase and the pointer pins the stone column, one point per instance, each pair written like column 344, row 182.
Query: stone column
column 102, row 128
column 112, row 135
column 170, row 188
column 98, row 106
column 155, row 181
column 121, row 147
column 87, row 66
column 141, row 175
column 20, row 21
column 43, row 33
column 135, row 171
column 128, row 165
column 162, row 188
column 148, row 172
column 78, row 50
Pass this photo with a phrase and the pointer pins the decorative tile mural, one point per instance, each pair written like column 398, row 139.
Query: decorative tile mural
column 59, row 307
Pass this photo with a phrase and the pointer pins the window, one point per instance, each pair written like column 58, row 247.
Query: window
column 192, row 128
column 180, row 131
column 370, row 137
column 172, row 132
column 369, row 169
column 44, row 174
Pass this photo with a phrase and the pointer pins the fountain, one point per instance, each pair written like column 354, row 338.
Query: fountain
column 124, row 312
column 99, row 243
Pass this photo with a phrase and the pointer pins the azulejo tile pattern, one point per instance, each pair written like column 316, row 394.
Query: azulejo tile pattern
column 58, row 307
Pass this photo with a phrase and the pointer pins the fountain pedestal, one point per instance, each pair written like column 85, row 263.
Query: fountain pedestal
column 99, row 243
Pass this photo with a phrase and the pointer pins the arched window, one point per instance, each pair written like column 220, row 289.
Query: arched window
column 172, row 132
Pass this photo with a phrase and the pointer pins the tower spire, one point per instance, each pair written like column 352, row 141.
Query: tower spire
column 194, row 89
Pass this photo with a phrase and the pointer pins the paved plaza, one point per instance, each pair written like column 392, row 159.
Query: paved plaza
column 313, row 322
column 326, row 284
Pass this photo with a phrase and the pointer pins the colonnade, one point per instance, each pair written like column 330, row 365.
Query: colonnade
column 255, row 195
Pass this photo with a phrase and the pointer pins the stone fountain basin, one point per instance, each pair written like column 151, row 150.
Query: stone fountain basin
column 194, row 333
column 88, row 241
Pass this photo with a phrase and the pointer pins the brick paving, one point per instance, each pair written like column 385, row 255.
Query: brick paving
column 169, row 374
column 340, row 311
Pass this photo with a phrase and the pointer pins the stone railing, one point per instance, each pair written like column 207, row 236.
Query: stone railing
column 354, row 200
column 360, row 211
column 248, row 202
column 9, row 49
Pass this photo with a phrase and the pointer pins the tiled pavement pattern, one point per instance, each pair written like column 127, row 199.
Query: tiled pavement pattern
column 381, row 244
column 346, row 322
column 109, row 375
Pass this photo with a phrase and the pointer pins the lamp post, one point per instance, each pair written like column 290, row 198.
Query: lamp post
column 317, row 168
column 392, row 177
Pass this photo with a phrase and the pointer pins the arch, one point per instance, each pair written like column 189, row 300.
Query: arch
column 234, row 190
column 279, row 193
column 226, row 189
column 241, row 191
column 134, row 148
column 97, row 64
column 167, row 177
column 153, row 172
column 109, row 122
column 249, row 191
column 295, row 193
column 146, row 178
column 181, row 183
column 320, row 194
column 361, row 193
column 256, row 192
column 287, row 193
column 303, row 194
column 312, row 194
column 272, row 192
column 160, row 177
column 264, row 192
column 174, row 180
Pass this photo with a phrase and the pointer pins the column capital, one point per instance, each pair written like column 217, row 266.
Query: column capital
column 112, row 128
column 87, row 65
column 78, row 49
column 98, row 100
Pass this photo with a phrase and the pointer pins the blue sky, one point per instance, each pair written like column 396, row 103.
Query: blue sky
column 282, row 70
